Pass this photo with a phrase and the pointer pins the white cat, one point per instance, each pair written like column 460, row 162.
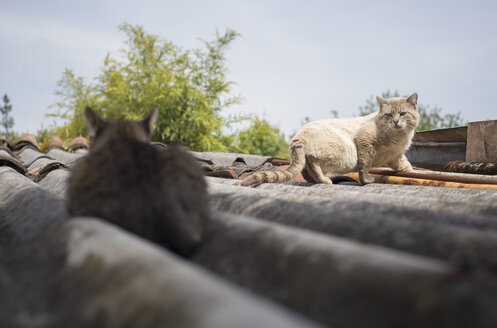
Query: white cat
column 350, row 144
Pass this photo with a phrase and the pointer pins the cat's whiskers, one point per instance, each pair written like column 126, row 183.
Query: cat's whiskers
column 387, row 129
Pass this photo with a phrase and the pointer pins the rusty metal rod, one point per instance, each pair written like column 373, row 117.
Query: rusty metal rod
column 456, row 174
column 430, row 176
column 422, row 182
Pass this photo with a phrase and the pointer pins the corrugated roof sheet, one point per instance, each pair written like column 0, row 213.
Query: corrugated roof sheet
column 280, row 255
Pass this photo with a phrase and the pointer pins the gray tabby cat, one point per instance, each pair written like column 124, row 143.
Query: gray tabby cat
column 159, row 194
column 350, row 144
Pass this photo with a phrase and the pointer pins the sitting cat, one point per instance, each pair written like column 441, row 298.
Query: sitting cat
column 350, row 144
column 159, row 194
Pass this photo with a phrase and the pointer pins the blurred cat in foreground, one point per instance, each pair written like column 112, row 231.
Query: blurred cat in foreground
column 158, row 194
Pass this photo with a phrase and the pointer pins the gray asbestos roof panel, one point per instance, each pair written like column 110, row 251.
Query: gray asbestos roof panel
column 85, row 264
column 7, row 159
column 333, row 280
column 42, row 162
column 81, row 151
column 415, row 231
column 342, row 255
column 379, row 201
column 227, row 159
column 28, row 155
column 149, row 287
column 56, row 182
column 64, row 156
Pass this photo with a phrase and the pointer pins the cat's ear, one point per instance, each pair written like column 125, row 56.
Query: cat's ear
column 381, row 102
column 93, row 121
column 413, row 99
column 149, row 121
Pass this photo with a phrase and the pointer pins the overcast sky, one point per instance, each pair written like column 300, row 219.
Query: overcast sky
column 294, row 59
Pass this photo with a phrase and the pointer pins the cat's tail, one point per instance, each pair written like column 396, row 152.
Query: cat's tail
column 297, row 164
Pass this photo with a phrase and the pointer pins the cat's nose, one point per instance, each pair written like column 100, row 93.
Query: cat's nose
column 396, row 122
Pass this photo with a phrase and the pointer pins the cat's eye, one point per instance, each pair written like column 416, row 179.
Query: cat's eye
column 403, row 114
column 389, row 115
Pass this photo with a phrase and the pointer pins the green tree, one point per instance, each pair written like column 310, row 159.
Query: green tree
column 7, row 122
column 429, row 118
column 260, row 138
column 188, row 87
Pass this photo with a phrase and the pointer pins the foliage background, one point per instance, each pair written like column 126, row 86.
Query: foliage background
column 260, row 138
column 6, row 120
column 190, row 89
column 187, row 86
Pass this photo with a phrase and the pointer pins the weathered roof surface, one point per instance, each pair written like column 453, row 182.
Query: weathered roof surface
column 64, row 156
column 456, row 134
column 227, row 159
column 56, row 272
column 7, row 158
column 279, row 255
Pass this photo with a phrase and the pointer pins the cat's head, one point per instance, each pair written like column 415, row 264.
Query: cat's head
column 398, row 113
column 101, row 130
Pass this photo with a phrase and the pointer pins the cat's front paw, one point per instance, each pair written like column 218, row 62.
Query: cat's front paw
column 407, row 169
column 365, row 178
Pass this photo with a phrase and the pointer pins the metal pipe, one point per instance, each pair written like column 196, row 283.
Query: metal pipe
column 422, row 182
column 455, row 174
column 433, row 176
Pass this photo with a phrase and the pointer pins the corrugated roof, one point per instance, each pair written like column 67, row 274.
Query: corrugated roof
column 279, row 255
